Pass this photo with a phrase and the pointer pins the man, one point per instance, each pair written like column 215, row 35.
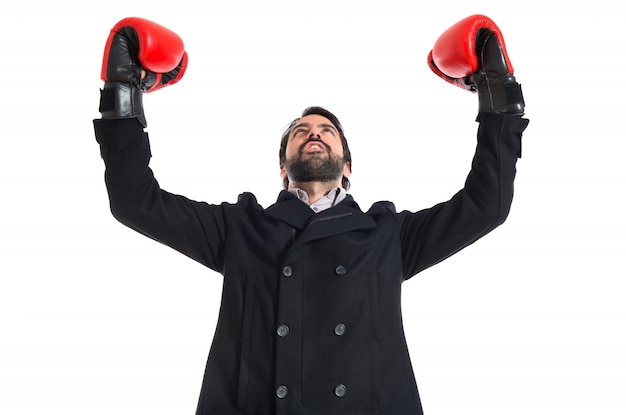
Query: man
column 310, row 321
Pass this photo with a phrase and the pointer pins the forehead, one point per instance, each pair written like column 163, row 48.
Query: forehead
column 314, row 119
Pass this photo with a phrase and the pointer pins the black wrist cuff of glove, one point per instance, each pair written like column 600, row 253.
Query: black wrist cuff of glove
column 503, row 95
column 119, row 100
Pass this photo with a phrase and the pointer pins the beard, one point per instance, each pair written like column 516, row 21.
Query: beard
column 316, row 167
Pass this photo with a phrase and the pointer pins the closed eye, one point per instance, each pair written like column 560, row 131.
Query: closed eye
column 329, row 128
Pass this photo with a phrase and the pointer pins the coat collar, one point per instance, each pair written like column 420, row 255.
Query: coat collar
column 289, row 209
column 344, row 217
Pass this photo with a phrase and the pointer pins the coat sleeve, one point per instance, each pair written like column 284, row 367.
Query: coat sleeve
column 195, row 229
column 432, row 235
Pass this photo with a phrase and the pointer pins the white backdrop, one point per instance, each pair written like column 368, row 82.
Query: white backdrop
column 96, row 319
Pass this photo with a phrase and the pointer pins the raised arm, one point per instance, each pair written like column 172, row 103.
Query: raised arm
column 472, row 55
column 142, row 56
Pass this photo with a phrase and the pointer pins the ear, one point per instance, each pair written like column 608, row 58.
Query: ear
column 347, row 170
column 283, row 171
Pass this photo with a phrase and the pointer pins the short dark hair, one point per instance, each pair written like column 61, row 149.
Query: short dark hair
column 347, row 157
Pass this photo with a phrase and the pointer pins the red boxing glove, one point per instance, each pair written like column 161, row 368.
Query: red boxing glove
column 454, row 57
column 139, row 56
column 135, row 44
column 472, row 55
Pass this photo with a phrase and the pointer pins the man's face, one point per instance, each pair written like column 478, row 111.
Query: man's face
column 314, row 152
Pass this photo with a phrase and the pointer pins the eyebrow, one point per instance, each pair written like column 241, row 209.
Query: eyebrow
column 308, row 125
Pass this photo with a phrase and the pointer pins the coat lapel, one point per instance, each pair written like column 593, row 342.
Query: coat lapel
column 289, row 209
column 345, row 217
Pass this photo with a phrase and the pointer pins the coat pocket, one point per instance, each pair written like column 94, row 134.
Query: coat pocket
column 246, row 342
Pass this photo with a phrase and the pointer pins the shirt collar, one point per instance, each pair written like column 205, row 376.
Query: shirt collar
column 333, row 197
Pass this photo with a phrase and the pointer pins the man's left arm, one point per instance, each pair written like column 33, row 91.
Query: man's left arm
column 471, row 54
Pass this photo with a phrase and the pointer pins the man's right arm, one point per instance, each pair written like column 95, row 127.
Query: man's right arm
column 196, row 229
column 142, row 56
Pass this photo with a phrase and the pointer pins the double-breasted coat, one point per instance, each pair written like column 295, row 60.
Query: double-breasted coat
column 310, row 321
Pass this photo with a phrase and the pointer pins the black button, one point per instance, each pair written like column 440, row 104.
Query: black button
column 340, row 329
column 341, row 270
column 341, row 390
column 287, row 271
column 283, row 330
column 282, row 392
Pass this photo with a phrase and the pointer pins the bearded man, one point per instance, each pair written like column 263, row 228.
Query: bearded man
column 310, row 321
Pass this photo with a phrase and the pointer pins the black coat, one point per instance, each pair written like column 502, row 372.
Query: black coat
column 310, row 321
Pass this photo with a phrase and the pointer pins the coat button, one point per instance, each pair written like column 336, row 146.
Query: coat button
column 341, row 270
column 283, row 330
column 287, row 271
column 340, row 329
column 340, row 391
column 282, row 392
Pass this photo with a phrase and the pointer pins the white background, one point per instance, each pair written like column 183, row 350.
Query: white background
column 96, row 319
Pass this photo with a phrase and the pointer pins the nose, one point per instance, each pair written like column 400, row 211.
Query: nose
column 315, row 136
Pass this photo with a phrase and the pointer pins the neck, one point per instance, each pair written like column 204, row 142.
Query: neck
column 315, row 190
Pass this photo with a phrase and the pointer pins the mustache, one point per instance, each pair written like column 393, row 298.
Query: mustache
column 314, row 139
